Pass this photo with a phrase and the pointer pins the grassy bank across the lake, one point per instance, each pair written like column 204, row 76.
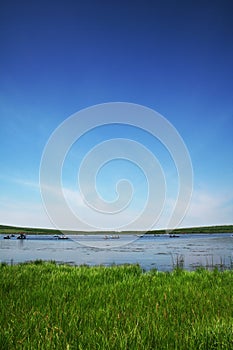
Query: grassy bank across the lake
column 4, row 229
column 49, row 306
column 200, row 229
column 31, row 230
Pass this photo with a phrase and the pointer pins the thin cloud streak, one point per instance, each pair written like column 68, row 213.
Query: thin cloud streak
column 205, row 209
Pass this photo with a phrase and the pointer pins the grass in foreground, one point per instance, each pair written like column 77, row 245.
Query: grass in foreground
column 47, row 306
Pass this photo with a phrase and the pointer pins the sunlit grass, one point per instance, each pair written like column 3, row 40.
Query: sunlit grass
column 49, row 306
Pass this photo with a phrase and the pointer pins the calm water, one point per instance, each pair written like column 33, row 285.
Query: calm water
column 149, row 251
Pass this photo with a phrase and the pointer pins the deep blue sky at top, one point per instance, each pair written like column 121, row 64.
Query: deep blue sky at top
column 58, row 57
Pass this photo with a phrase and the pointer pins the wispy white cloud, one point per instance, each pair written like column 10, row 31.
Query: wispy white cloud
column 27, row 183
column 209, row 209
column 206, row 208
column 23, row 213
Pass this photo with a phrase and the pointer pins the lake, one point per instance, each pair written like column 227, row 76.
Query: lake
column 160, row 252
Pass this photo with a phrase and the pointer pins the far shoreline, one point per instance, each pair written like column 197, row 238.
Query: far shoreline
column 5, row 229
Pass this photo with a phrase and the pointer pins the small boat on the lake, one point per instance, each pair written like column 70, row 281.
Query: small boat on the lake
column 174, row 236
column 22, row 236
column 62, row 237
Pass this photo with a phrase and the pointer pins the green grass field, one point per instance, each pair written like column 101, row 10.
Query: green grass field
column 49, row 306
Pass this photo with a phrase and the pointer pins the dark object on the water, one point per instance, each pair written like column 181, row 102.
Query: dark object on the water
column 21, row 236
column 174, row 236
column 7, row 237
column 12, row 235
column 62, row 237
column 111, row 237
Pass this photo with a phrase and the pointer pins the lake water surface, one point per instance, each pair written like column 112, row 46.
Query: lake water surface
column 160, row 252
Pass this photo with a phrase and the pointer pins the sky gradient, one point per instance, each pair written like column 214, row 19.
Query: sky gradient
column 60, row 57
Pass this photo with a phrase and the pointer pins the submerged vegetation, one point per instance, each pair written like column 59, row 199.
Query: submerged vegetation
column 49, row 306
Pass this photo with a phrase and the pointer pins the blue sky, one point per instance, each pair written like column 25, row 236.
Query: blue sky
column 60, row 57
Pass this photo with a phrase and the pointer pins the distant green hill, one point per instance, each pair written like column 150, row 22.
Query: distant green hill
column 29, row 230
column 202, row 229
